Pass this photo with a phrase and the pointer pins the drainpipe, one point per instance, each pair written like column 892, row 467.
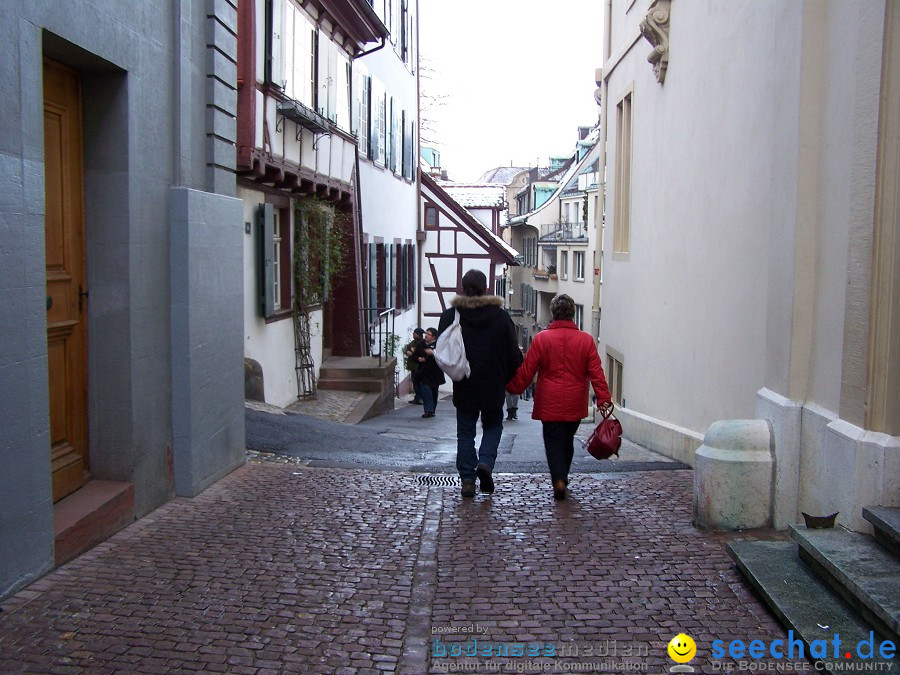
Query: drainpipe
column 416, row 150
column 373, row 50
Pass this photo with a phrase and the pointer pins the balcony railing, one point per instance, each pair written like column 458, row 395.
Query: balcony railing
column 553, row 232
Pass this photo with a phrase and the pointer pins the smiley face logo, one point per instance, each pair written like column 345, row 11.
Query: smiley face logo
column 682, row 648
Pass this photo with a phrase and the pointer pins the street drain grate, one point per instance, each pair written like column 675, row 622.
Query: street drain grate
column 437, row 480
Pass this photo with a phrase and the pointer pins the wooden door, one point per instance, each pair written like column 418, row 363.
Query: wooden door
column 66, row 286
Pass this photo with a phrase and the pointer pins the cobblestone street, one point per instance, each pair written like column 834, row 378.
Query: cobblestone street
column 285, row 568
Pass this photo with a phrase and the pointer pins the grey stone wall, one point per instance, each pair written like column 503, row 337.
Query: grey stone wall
column 159, row 84
column 207, row 347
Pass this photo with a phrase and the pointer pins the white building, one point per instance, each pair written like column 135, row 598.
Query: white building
column 751, row 245
column 327, row 118
column 558, row 245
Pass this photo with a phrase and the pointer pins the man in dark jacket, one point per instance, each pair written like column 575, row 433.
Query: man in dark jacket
column 493, row 354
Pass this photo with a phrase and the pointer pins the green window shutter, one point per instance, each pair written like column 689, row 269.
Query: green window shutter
column 265, row 223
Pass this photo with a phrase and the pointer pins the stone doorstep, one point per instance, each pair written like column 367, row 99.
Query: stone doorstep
column 862, row 572
column 90, row 515
column 886, row 522
column 370, row 405
column 800, row 600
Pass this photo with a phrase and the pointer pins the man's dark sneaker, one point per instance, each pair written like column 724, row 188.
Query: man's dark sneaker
column 428, row 414
column 483, row 471
column 468, row 487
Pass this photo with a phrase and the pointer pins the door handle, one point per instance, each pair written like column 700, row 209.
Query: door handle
column 82, row 295
column 49, row 302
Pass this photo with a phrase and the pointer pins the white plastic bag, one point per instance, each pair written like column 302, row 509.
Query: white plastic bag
column 450, row 352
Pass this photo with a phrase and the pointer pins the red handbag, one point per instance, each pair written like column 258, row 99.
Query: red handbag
column 606, row 439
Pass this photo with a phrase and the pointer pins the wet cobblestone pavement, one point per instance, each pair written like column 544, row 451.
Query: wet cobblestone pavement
column 285, row 568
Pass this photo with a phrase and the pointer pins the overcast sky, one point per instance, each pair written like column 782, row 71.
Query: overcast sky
column 516, row 77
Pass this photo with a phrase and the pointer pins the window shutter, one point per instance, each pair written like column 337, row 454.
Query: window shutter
column 391, row 276
column 275, row 56
column 404, row 32
column 355, row 94
column 407, row 147
column 265, row 222
column 373, row 282
column 322, row 59
column 403, row 270
column 374, row 117
column 412, row 274
column 396, row 163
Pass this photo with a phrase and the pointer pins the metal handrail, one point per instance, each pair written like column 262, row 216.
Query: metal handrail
column 379, row 322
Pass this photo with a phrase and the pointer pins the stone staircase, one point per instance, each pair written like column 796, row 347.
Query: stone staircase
column 361, row 374
column 828, row 582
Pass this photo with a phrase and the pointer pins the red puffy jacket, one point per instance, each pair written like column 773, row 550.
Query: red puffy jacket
column 565, row 359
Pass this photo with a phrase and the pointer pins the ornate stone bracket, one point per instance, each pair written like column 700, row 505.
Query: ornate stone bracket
column 655, row 28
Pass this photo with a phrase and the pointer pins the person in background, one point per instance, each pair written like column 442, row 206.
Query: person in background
column 512, row 407
column 489, row 336
column 412, row 364
column 430, row 374
column 565, row 359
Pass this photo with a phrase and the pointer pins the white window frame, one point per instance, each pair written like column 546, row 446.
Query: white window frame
column 578, row 265
column 276, row 259
column 364, row 125
column 563, row 264
column 293, row 52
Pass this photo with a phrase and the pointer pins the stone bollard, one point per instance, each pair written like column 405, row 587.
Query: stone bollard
column 733, row 474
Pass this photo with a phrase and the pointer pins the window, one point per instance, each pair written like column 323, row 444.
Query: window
column 364, row 105
column 615, row 369
column 307, row 66
column 431, row 217
column 622, row 222
column 578, row 262
column 274, row 260
column 530, row 246
column 579, row 316
column 379, row 113
column 342, row 93
column 405, row 31
column 563, row 264
column 396, row 144
column 292, row 59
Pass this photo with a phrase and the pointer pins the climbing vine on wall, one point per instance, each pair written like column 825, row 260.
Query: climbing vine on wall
column 318, row 250
column 318, row 260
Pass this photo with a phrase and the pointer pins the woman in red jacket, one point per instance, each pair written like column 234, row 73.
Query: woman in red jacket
column 565, row 359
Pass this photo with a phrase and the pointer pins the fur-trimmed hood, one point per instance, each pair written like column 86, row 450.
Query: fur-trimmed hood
column 476, row 301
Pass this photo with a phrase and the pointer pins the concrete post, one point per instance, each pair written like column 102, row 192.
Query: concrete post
column 733, row 476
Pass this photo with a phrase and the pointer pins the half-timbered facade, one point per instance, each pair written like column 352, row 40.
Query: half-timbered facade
column 455, row 242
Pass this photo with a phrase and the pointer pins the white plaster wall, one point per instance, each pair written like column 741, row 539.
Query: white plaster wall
column 687, row 306
column 625, row 20
column 272, row 345
column 388, row 200
column 484, row 216
column 847, row 191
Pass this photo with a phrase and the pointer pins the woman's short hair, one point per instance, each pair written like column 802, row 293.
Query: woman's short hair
column 474, row 283
column 562, row 307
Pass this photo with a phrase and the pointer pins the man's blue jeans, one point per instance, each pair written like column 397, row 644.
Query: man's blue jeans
column 429, row 396
column 491, row 430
